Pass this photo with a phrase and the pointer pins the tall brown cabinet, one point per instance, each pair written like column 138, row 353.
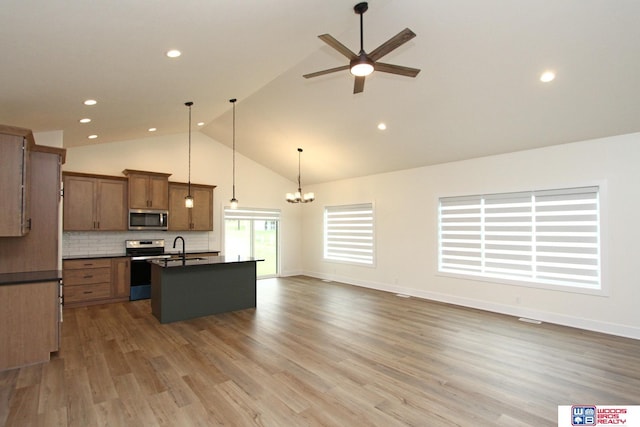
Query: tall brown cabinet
column 29, row 261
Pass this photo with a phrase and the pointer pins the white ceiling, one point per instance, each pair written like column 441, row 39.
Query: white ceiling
column 478, row 92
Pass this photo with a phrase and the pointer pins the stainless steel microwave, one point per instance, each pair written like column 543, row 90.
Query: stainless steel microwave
column 142, row 219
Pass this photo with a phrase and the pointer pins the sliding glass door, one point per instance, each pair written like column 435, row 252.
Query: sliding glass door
column 253, row 233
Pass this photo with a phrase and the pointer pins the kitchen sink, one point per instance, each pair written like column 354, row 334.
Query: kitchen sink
column 188, row 258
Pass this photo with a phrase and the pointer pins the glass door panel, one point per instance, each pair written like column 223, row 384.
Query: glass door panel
column 256, row 238
column 265, row 245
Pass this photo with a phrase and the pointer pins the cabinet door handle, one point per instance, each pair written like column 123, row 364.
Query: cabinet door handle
column 87, row 292
column 88, row 276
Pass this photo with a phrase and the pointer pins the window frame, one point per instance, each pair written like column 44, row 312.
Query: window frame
column 530, row 282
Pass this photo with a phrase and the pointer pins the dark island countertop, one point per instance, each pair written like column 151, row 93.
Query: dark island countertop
column 123, row 255
column 30, row 277
column 193, row 259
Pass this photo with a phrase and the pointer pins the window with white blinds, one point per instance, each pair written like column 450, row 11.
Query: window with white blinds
column 348, row 233
column 549, row 237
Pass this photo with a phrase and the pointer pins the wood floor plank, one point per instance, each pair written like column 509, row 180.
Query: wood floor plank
column 134, row 403
column 52, row 393
column 23, row 406
column 81, row 410
column 316, row 353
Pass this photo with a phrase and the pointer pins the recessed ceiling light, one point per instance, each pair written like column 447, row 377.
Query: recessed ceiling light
column 85, row 120
column 173, row 53
column 92, row 136
column 90, row 102
column 382, row 126
column 200, row 123
column 152, row 129
column 547, row 76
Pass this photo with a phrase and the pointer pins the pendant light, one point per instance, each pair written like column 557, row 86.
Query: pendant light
column 188, row 201
column 234, row 201
column 299, row 197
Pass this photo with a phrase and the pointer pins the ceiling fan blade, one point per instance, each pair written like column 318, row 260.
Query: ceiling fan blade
column 394, row 42
column 323, row 72
column 328, row 39
column 396, row 69
column 358, row 86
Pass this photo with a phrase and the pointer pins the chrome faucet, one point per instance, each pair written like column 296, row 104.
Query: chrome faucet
column 184, row 256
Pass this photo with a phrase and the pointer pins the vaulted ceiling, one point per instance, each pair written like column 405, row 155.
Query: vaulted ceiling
column 478, row 93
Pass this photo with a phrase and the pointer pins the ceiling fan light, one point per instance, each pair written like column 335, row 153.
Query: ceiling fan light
column 361, row 66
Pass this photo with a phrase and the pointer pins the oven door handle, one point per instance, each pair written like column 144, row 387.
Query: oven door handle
column 149, row 257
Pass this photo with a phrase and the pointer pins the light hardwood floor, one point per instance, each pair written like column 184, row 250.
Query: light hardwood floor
column 318, row 354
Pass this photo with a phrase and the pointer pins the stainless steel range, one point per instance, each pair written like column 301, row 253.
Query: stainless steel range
column 140, row 252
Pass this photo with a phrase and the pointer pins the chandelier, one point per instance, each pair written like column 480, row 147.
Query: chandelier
column 298, row 196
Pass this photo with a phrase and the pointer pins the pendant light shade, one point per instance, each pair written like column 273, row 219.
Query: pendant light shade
column 298, row 196
column 234, row 201
column 188, row 201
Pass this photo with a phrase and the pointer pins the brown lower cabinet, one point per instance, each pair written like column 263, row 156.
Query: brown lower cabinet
column 29, row 315
column 95, row 280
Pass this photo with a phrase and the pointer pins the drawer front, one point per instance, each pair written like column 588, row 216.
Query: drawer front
column 82, row 293
column 74, row 264
column 87, row 276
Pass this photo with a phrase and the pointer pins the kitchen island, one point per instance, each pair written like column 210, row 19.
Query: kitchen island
column 187, row 288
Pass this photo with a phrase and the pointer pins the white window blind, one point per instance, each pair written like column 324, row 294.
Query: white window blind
column 348, row 233
column 550, row 237
column 251, row 213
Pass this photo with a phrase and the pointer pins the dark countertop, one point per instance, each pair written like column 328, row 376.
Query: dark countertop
column 89, row 256
column 30, row 277
column 192, row 260
column 122, row 254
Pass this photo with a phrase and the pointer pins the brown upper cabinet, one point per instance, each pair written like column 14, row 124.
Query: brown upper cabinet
column 148, row 190
column 94, row 202
column 198, row 218
column 38, row 249
column 14, row 180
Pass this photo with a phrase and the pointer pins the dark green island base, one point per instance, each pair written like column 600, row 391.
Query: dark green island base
column 196, row 287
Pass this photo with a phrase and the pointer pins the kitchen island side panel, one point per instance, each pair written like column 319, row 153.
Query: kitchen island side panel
column 187, row 292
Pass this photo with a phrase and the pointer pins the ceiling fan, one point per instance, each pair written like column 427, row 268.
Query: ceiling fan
column 363, row 64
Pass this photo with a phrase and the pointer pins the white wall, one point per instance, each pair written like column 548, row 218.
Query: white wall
column 211, row 163
column 405, row 206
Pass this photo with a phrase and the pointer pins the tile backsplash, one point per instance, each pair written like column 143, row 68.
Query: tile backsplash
column 112, row 243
